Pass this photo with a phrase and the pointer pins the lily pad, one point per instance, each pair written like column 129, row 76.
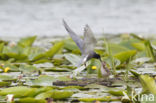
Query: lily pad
column 55, row 94
column 6, row 78
column 19, row 91
column 42, row 80
column 27, row 69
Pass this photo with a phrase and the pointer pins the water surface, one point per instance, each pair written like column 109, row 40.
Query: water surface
column 43, row 17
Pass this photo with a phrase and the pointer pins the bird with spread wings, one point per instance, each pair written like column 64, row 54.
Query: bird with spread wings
column 86, row 46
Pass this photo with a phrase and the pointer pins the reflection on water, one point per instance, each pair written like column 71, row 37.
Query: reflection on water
column 43, row 17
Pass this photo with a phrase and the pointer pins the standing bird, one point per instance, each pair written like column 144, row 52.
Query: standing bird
column 86, row 46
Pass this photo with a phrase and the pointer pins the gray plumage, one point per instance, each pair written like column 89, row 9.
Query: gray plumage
column 86, row 46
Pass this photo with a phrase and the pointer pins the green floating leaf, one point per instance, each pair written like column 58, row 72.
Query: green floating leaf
column 44, row 95
column 34, row 51
column 124, row 56
column 148, row 83
column 2, row 84
column 135, row 73
column 70, row 45
column 73, row 87
column 116, row 92
column 30, row 100
column 150, row 50
column 106, row 98
column 56, row 69
column 25, row 42
column 28, row 68
column 74, row 59
column 12, row 67
column 50, row 53
column 19, row 91
column 41, row 61
column 6, row 78
column 43, row 80
column 1, row 47
column 43, row 89
column 5, row 42
column 39, row 56
column 128, row 43
column 116, row 48
column 139, row 46
column 55, row 94
column 16, row 52
column 63, row 78
column 16, row 56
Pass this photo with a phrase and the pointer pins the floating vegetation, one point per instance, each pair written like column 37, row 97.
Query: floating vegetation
column 47, row 74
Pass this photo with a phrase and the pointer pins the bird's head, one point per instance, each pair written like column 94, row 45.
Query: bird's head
column 97, row 56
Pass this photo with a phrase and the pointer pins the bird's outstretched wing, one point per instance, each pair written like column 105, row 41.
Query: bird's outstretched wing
column 79, row 42
column 89, row 40
column 82, row 60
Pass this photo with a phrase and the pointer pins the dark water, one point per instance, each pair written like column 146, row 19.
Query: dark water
column 43, row 17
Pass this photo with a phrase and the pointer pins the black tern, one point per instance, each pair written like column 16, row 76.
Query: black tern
column 86, row 46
